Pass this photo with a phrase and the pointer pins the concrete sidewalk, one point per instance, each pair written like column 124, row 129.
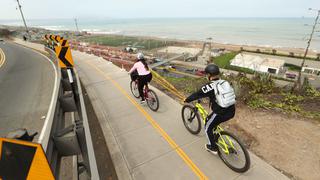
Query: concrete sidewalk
column 139, row 148
column 151, row 145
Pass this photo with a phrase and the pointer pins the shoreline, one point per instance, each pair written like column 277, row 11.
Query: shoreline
column 313, row 53
column 234, row 47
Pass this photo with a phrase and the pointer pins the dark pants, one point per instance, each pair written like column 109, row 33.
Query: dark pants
column 212, row 122
column 142, row 81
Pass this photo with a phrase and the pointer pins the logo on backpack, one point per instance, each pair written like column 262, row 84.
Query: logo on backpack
column 224, row 92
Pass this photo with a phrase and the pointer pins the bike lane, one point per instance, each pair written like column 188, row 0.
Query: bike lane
column 153, row 145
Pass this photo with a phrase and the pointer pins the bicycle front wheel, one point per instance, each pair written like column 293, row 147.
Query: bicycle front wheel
column 152, row 100
column 233, row 153
column 134, row 89
column 191, row 119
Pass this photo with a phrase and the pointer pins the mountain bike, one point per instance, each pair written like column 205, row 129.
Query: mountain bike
column 230, row 149
column 150, row 96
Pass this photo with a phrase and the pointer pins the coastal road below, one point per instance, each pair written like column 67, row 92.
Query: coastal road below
column 26, row 86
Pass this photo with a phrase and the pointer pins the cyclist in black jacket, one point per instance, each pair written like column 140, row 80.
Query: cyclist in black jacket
column 219, row 114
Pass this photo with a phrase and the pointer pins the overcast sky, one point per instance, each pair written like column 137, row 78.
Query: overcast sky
column 57, row 9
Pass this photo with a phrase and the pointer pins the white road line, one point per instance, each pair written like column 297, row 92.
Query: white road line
column 2, row 57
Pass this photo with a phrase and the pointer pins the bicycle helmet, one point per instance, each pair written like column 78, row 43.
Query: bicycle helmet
column 140, row 56
column 212, row 69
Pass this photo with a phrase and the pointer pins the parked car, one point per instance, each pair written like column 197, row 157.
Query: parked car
column 200, row 73
column 130, row 49
column 291, row 75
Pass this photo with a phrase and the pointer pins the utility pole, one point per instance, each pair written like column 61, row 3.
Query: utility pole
column 298, row 83
column 75, row 20
column 24, row 21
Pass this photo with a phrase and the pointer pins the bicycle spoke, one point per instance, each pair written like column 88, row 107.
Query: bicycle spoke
column 152, row 100
column 235, row 155
column 190, row 119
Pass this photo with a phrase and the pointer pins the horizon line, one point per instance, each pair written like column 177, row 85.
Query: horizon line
column 115, row 18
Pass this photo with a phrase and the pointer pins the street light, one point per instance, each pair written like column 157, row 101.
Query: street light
column 298, row 83
column 24, row 21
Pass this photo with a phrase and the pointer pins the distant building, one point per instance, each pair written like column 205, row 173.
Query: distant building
column 257, row 63
column 310, row 70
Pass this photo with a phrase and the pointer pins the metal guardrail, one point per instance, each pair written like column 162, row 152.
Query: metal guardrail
column 58, row 140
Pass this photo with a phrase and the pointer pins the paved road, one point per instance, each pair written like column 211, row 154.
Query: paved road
column 26, row 85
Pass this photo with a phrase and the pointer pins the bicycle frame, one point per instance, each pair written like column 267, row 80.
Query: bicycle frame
column 221, row 141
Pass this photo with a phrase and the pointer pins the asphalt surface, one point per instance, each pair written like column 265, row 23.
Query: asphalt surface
column 26, row 85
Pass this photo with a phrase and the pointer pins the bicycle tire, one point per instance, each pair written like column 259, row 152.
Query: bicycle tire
column 153, row 100
column 243, row 149
column 192, row 118
column 134, row 89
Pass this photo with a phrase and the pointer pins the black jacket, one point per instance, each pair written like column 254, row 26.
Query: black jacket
column 208, row 91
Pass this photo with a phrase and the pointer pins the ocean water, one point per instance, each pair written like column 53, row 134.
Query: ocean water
column 270, row 32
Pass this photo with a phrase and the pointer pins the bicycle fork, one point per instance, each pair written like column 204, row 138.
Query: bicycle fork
column 223, row 145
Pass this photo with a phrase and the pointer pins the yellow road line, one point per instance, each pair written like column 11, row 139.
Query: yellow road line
column 2, row 57
column 174, row 146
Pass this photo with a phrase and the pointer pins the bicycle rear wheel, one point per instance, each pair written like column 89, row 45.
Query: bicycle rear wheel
column 238, row 158
column 134, row 89
column 152, row 100
column 191, row 119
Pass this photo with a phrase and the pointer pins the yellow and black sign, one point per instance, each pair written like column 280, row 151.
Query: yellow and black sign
column 64, row 42
column 64, row 55
column 58, row 38
column 23, row 160
column 52, row 37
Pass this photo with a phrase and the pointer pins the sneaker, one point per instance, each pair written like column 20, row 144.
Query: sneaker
column 142, row 101
column 212, row 149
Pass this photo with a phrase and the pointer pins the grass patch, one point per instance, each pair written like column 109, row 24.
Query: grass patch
column 223, row 61
column 116, row 41
column 292, row 67
column 241, row 69
column 186, row 84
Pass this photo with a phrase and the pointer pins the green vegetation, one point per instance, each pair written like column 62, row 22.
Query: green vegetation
column 309, row 90
column 193, row 83
column 292, row 67
column 116, row 41
column 260, row 92
column 223, row 61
